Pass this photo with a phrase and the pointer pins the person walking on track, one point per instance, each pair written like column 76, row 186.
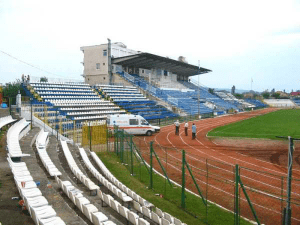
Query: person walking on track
column 186, row 125
column 194, row 129
column 177, row 127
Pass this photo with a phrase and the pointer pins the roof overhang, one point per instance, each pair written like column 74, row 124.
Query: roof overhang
column 150, row 61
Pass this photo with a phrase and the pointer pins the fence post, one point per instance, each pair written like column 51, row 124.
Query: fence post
column 131, row 156
column 90, row 133
column 236, row 196
column 183, row 181
column 289, row 182
column 151, row 166
column 74, row 126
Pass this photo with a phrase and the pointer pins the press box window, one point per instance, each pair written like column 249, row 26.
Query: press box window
column 133, row 122
column 97, row 66
column 105, row 52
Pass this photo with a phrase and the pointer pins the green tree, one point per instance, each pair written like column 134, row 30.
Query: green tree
column 211, row 90
column 44, row 79
column 10, row 90
column 266, row 95
column 276, row 95
column 239, row 96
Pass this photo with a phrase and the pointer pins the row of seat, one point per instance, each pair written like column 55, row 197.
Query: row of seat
column 75, row 169
column 121, row 192
column 65, row 93
column 59, row 84
column 41, row 145
column 78, row 101
column 49, row 97
column 130, row 216
column 103, row 117
column 96, row 112
column 124, row 197
column 88, row 108
column 61, row 89
column 13, row 146
column 76, row 104
column 6, row 120
column 37, row 205
column 83, row 204
column 139, row 203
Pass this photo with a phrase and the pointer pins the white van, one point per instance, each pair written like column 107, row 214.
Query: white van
column 132, row 124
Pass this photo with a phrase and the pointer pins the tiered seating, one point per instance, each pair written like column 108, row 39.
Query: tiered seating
column 37, row 205
column 256, row 103
column 296, row 101
column 75, row 101
column 130, row 98
column 13, row 136
column 41, row 145
column 280, row 102
column 75, row 169
column 139, row 204
column 82, row 203
column 6, row 120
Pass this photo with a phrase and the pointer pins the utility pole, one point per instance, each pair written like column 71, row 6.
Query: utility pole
column 109, row 61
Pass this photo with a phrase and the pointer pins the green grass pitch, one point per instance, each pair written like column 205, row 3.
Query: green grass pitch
column 278, row 123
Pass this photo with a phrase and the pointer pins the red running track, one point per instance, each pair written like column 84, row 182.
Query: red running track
column 263, row 166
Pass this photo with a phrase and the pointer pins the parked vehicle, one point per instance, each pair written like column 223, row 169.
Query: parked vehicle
column 132, row 124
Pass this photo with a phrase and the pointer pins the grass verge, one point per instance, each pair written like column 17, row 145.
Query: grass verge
column 279, row 123
column 196, row 210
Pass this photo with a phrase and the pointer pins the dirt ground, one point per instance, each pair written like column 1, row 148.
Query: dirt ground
column 10, row 212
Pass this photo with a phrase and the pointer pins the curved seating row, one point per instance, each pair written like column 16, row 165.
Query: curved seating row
column 123, row 196
column 6, row 120
column 83, row 204
column 13, row 146
column 39, row 209
column 139, row 204
column 41, row 145
column 75, row 169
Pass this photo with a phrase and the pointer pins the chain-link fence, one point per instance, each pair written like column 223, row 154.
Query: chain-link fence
column 247, row 193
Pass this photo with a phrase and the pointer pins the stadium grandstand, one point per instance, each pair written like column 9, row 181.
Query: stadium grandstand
column 118, row 80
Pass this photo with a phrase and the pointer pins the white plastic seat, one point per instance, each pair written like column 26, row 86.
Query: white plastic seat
column 178, row 222
column 146, row 212
column 29, row 193
column 156, row 218
column 159, row 212
column 80, row 201
column 42, row 212
column 114, row 205
column 107, row 198
column 123, row 211
column 133, row 218
column 144, row 202
column 168, row 217
column 141, row 221
column 52, row 221
column 98, row 218
column 123, row 196
column 35, row 202
column 137, row 207
column 88, row 210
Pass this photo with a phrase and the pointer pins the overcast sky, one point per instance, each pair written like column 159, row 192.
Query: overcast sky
column 237, row 40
